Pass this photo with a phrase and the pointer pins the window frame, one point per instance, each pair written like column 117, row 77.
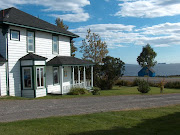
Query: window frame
column 27, row 88
column 28, row 41
column 58, row 76
column 14, row 39
column 39, row 87
column 57, row 44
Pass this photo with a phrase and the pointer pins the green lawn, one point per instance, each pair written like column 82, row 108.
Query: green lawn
column 115, row 91
column 161, row 121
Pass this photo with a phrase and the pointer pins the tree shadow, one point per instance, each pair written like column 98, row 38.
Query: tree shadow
column 165, row 125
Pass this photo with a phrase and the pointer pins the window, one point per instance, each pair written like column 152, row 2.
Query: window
column 55, row 75
column 65, row 73
column 40, row 77
column 15, row 35
column 30, row 41
column 27, row 77
column 55, row 45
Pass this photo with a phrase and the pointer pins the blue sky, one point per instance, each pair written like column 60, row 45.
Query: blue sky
column 126, row 25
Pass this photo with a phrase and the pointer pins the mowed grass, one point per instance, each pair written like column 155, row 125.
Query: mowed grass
column 161, row 121
column 114, row 92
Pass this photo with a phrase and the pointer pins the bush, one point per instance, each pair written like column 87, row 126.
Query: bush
column 136, row 82
column 123, row 83
column 143, row 86
column 175, row 85
column 95, row 91
column 104, row 84
column 78, row 91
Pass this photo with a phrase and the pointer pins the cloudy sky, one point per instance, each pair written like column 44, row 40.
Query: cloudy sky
column 126, row 25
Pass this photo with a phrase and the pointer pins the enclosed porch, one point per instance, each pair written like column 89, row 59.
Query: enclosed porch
column 65, row 72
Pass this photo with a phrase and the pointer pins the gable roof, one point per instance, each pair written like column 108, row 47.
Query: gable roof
column 67, row 60
column 2, row 59
column 150, row 69
column 13, row 16
column 32, row 56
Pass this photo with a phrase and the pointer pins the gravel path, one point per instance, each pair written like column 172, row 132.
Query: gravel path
column 13, row 110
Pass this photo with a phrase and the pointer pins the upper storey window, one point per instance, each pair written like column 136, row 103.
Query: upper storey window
column 55, row 45
column 30, row 41
column 15, row 35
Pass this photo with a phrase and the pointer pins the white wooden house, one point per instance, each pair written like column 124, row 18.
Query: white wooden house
column 35, row 57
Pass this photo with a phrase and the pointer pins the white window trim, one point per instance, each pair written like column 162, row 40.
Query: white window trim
column 15, row 39
column 23, row 77
column 40, row 87
column 57, row 45
column 58, row 75
column 33, row 41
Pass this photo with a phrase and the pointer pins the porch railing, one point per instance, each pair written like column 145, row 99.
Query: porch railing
column 77, row 85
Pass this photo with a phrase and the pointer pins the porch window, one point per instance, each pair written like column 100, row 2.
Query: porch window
column 30, row 41
column 55, row 45
column 15, row 35
column 40, row 77
column 65, row 73
column 27, row 77
column 55, row 75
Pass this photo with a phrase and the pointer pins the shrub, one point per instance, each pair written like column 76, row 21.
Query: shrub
column 175, row 85
column 122, row 83
column 78, row 91
column 136, row 82
column 143, row 86
column 95, row 91
column 104, row 84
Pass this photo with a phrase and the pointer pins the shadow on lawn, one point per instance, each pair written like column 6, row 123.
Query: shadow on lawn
column 165, row 125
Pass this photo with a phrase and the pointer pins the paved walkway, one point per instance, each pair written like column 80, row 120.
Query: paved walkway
column 13, row 110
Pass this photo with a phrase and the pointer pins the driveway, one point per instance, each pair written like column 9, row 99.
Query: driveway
column 13, row 110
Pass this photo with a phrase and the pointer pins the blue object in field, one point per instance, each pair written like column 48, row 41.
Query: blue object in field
column 146, row 71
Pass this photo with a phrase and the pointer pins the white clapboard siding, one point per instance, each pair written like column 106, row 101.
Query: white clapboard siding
column 43, row 47
column 40, row 92
column 16, row 49
column 3, row 89
column 28, row 93
column 51, row 88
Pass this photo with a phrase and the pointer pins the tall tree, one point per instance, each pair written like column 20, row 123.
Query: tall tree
column 59, row 22
column 147, row 56
column 93, row 48
column 111, row 70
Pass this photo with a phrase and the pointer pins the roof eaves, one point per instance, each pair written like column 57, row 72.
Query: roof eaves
column 49, row 31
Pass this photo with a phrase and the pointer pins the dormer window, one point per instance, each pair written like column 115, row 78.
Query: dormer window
column 55, row 45
column 15, row 35
column 30, row 41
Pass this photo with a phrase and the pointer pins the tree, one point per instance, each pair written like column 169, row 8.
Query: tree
column 146, row 57
column 59, row 22
column 111, row 70
column 93, row 48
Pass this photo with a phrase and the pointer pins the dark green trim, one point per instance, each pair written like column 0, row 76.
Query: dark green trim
column 55, row 65
column 49, row 31
column 27, row 41
column 16, row 31
column 45, row 75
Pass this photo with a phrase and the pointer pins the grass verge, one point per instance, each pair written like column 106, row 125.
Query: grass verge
column 114, row 92
column 161, row 121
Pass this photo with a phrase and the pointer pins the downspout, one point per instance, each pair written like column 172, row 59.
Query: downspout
column 7, row 68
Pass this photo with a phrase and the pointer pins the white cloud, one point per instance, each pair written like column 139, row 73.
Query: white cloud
column 148, row 8
column 75, row 7
column 80, row 17
column 119, row 35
